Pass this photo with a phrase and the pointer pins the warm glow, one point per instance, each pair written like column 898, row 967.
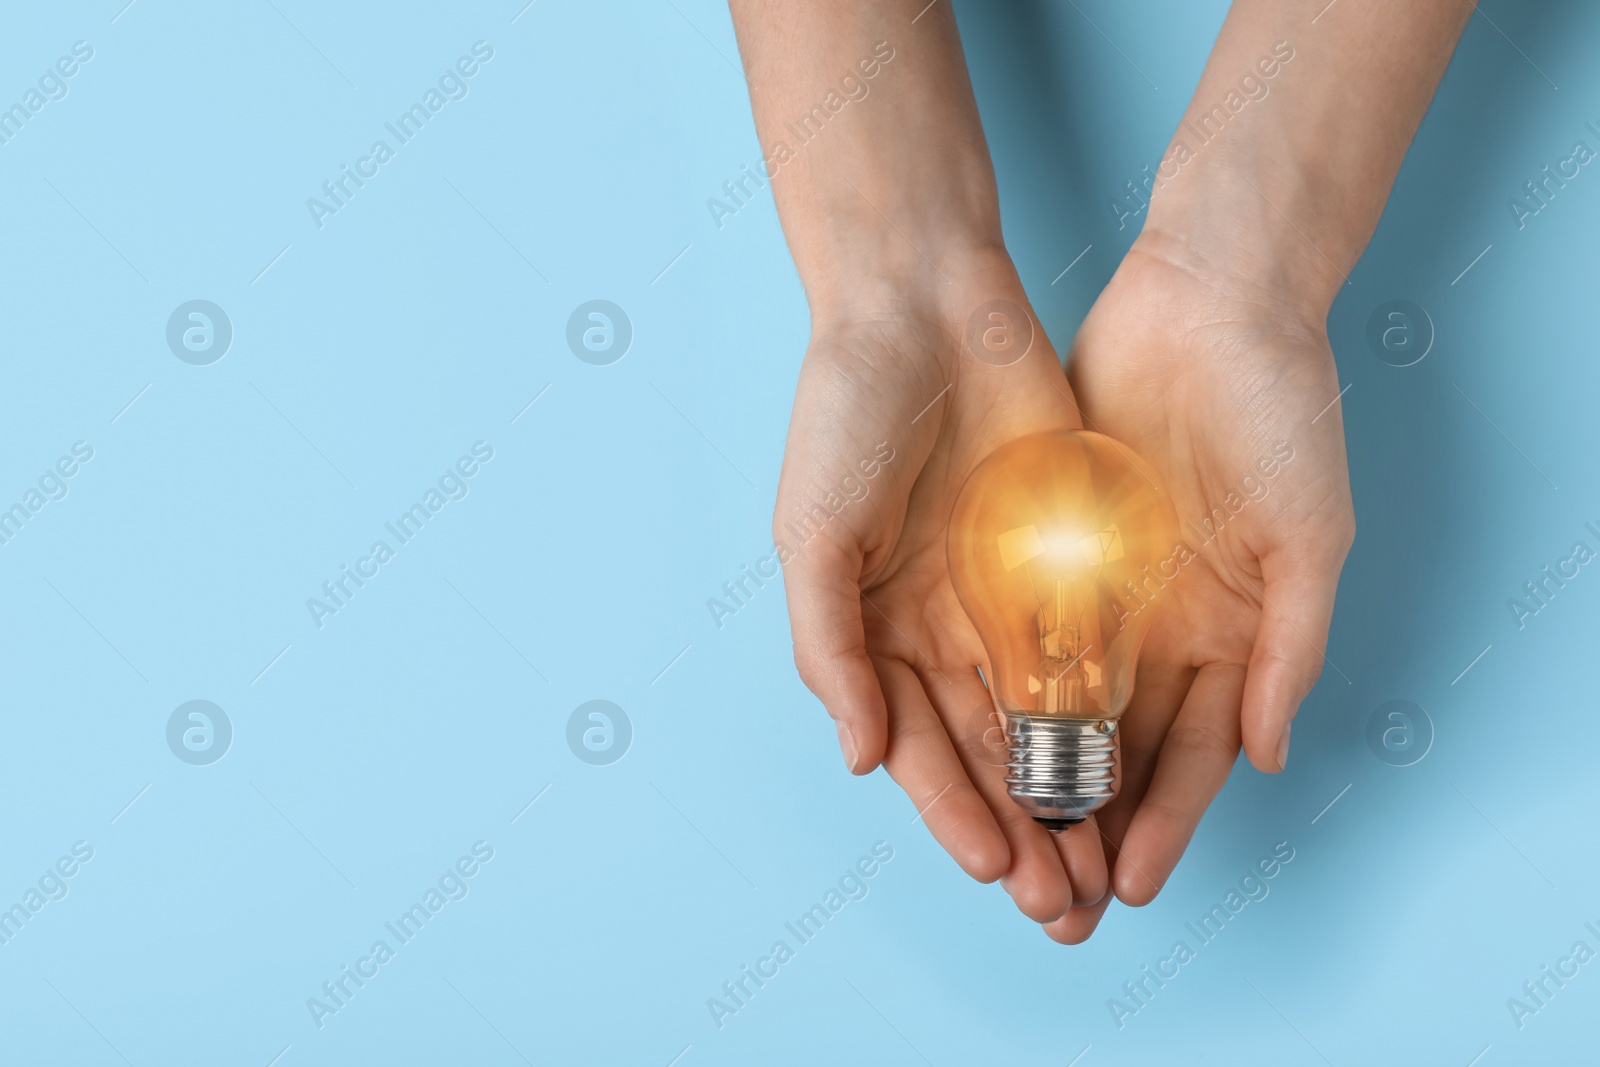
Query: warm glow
column 1060, row 547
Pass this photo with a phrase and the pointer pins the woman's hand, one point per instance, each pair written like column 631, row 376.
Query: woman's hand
column 892, row 386
column 1229, row 392
column 1208, row 354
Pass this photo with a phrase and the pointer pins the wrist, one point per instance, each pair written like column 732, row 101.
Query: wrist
column 874, row 271
column 1237, row 227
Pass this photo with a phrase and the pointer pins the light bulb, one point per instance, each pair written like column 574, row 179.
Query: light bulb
column 1060, row 546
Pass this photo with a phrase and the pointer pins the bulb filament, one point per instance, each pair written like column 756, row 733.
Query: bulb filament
column 1063, row 644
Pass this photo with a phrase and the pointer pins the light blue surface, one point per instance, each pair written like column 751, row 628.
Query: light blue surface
column 368, row 755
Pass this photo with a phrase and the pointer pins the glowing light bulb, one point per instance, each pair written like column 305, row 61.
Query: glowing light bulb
column 1060, row 545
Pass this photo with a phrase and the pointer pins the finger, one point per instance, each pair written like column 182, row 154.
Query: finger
column 1199, row 752
column 1287, row 659
column 1036, row 878
column 1083, row 857
column 1159, row 693
column 830, row 649
column 1109, row 824
column 922, row 761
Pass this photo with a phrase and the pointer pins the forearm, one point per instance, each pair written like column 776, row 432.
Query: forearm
column 871, row 139
column 1285, row 157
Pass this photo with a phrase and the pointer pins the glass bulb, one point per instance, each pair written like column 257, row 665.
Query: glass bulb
column 1060, row 545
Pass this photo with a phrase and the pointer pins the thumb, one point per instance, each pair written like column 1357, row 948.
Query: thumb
column 830, row 647
column 1298, row 591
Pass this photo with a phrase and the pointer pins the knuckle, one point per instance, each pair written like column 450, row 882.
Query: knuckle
column 1300, row 672
column 1178, row 821
column 1271, row 659
column 1200, row 742
column 810, row 665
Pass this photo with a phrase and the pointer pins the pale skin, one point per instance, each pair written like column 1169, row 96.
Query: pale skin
column 1206, row 351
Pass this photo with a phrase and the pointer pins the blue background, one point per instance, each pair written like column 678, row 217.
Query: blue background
column 370, row 753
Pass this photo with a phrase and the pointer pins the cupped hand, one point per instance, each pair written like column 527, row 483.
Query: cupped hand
column 893, row 409
column 1228, row 388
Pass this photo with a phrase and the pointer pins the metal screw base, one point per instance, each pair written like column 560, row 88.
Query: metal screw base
column 1060, row 771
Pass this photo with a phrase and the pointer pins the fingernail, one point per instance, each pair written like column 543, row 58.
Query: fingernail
column 1283, row 747
column 847, row 742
